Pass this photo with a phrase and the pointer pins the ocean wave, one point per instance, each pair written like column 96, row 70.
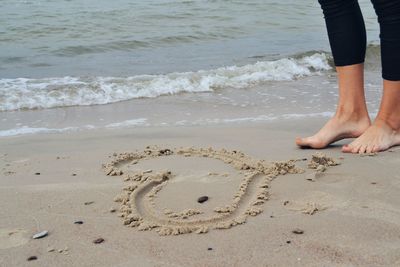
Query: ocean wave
column 25, row 93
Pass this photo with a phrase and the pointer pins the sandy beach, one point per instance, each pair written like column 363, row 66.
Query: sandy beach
column 346, row 215
column 162, row 133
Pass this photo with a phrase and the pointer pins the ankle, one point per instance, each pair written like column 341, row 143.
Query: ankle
column 352, row 113
column 388, row 121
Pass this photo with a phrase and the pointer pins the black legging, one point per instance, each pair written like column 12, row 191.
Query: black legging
column 347, row 36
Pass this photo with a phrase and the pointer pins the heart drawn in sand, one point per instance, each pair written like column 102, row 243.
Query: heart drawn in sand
column 138, row 208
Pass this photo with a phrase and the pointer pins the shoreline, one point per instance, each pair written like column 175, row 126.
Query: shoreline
column 306, row 97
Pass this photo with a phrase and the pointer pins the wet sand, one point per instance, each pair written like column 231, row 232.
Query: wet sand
column 346, row 215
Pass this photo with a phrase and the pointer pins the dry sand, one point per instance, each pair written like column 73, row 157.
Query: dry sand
column 328, row 215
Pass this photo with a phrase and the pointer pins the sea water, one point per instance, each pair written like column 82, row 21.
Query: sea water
column 61, row 57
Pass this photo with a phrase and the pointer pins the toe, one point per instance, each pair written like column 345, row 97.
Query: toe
column 301, row 141
column 375, row 149
column 346, row 148
column 311, row 141
column 369, row 149
column 351, row 147
column 362, row 149
column 355, row 149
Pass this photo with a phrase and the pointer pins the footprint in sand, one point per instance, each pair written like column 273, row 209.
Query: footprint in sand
column 10, row 238
column 138, row 207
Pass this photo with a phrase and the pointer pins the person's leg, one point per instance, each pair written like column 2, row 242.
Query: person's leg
column 347, row 38
column 385, row 131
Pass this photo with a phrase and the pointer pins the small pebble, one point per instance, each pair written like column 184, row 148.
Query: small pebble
column 286, row 202
column 112, row 210
column 40, row 235
column 89, row 202
column 74, row 174
column 202, row 199
column 288, row 242
column 32, row 258
column 51, row 249
column 298, row 231
column 37, row 173
column 98, row 240
column 373, row 183
column 78, row 222
column 209, row 249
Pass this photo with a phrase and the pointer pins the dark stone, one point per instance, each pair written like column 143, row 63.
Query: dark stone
column 89, row 202
column 78, row 222
column 74, row 174
column 298, row 231
column 165, row 151
column 37, row 173
column 288, row 242
column 202, row 199
column 209, row 249
column 112, row 210
column 98, row 240
column 32, row 258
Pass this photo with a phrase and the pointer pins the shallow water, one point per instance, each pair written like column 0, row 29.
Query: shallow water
column 56, row 56
column 53, row 38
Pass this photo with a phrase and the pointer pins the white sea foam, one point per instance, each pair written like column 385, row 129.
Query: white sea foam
column 23, row 93
column 24, row 130
column 260, row 118
column 127, row 123
column 34, row 130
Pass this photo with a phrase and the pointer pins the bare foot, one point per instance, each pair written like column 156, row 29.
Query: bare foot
column 379, row 137
column 336, row 129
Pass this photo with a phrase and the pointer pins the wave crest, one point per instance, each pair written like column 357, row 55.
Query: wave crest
column 24, row 93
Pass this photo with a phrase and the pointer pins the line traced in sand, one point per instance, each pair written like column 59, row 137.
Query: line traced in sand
column 137, row 200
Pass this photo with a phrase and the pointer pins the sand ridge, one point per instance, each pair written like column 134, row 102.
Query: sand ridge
column 138, row 208
column 138, row 197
